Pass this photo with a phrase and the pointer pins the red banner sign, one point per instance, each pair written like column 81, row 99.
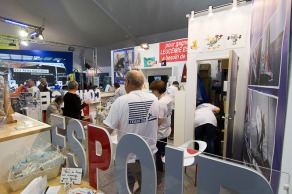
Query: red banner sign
column 173, row 51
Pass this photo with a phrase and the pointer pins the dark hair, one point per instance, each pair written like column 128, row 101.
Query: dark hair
column 159, row 86
column 59, row 98
column 116, row 85
column 175, row 83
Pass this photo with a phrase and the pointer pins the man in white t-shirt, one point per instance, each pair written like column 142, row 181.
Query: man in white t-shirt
column 136, row 112
column 171, row 93
column 206, row 124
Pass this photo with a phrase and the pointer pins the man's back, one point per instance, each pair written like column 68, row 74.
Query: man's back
column 136, row 112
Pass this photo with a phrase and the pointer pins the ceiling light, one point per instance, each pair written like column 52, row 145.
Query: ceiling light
column 41, row 37
column 38, row 33
column 23, row 33
column 210, row 9
column 234, row 5
column 16, row 23
column 24, row 43
column 144, row 46
column 33, row 34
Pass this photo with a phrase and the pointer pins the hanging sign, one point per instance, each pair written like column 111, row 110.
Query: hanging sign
column 173, row 51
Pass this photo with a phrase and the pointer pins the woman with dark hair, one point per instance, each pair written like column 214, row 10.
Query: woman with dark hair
column 54, row 108
column 158, row 88
column 72, row 102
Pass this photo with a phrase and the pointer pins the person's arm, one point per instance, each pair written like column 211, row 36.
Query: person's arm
column 216, row 110
column 160, row 120
column 113, row 118
column 162, row 112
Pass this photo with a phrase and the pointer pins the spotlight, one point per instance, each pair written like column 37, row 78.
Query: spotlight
column 234, row 5
column 38, row 33
column 23, row 33
column 210, row 9
column 144, row 46
column 24, row 43
column 33, row 34
column 41, row 36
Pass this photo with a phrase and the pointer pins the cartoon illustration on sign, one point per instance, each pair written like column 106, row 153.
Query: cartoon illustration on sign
column 149, row 62
column 194, row 44
column 213, row 42
column 234, row 38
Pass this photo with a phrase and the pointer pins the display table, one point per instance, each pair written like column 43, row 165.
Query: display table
column 5, row 189
column 16, row 138
column 106, row 94
column 23, row 127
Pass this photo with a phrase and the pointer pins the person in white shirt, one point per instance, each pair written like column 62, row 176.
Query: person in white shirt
column 206, row 124
column 33, row 89
column 158, row 88
column 136, row 112
column 171, row 92
column 118, row 91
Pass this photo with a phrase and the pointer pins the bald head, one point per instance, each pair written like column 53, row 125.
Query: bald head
column 135, row 80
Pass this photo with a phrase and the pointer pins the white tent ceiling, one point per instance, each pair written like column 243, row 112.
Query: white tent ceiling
column 97, row 23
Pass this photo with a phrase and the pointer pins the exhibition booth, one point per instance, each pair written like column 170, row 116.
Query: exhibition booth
column 234, row 59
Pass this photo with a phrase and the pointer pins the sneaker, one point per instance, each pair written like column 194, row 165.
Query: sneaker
column 160, row 186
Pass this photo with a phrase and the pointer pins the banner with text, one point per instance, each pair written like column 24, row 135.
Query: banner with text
column 173, row 51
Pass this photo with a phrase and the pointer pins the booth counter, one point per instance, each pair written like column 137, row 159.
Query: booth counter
column 16, row 138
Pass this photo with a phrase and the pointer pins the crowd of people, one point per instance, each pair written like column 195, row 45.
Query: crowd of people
column 147, row 114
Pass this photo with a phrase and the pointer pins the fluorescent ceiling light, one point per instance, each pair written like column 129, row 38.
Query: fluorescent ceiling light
column 16, row 23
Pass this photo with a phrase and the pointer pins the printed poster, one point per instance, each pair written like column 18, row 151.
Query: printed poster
column 122, row 62
column 267, row 93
